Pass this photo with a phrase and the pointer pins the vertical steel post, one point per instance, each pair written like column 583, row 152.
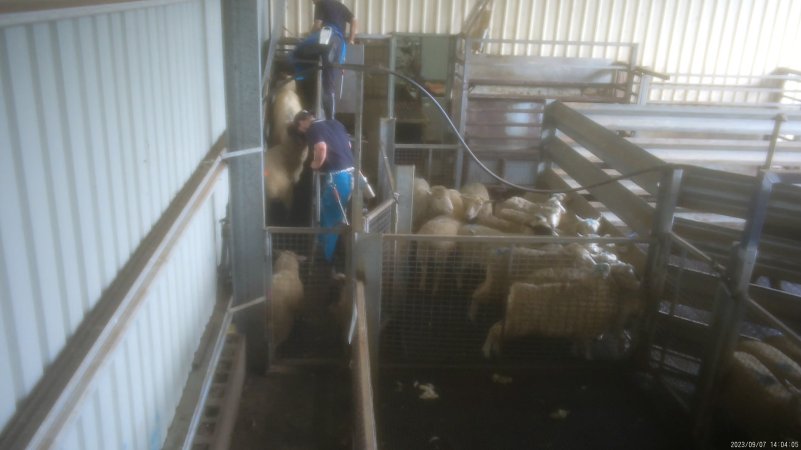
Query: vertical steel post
column 657, row 259
column 547, row 132
column 730, row 305
column 386, row 156
column 645, row 89
column 242, row 51
column 774, row 139
column 393, row 48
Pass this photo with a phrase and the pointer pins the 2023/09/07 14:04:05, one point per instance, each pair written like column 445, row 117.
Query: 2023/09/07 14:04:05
column 764, row 444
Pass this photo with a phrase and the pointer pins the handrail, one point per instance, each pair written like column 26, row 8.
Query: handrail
column 640, row 70
column 760, row 310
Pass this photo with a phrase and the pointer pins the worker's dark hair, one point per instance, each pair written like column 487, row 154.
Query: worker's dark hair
column 302, row 115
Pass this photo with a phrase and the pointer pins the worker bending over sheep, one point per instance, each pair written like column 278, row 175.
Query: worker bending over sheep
column 332, row 156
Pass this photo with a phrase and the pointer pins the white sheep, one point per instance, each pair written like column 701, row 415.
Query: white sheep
column 438, row 251
column 525, row 211
column 581, row 308
column 505, row 266
column 476, row 190
column 283, row 165
column 286, row 294
column 285, row 105
column 575, row 225
column 420, row 201
column 475, row 253
column 487, row 218
column 445, row 202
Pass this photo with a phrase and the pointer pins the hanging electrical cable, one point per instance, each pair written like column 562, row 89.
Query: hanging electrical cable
column 424, row 91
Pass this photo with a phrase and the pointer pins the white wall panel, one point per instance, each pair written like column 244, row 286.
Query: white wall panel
column 104, row 115
column 744, row 37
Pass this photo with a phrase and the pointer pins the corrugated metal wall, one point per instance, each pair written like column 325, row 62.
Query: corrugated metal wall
column 739, row 37
column 103, row 119
column 132, row 401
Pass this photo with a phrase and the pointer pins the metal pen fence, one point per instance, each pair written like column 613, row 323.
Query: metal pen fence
column 437, row 163
column 447, row 300
column 309, row 328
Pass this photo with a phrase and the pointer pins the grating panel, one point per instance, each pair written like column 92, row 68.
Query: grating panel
column 435, row 165
column 307, row 328
column 381, row 219
column 450, row 302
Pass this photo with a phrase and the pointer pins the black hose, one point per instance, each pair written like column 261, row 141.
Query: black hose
column 384, row 70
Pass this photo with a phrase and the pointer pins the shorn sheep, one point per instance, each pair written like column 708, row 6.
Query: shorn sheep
column 286, row 294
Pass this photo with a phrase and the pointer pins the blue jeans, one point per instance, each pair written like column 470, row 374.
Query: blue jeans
column 330, row 210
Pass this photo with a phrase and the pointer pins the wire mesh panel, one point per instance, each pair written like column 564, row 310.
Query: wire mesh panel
column 303, row 295
column 382, row 218
column 436, row 165
column 682, row 329
column 467, row 300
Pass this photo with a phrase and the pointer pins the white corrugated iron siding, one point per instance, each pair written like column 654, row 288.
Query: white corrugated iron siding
column 739, row 37
column 104, row 116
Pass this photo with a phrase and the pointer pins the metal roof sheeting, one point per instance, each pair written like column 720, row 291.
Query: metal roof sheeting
column 740, row 37
column 103, row 119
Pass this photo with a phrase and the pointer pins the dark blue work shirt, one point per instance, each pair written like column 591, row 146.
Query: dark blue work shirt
column 338, row 154
column 332, row 12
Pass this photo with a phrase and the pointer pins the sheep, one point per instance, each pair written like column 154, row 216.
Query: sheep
column 580, row 308
column 487, row 218
column 421, row 199
column 285, row 105
column 578, row 303
column 437, row 250
column 782, row 366
column 757, row 401
column 473, row 205
column 440, row 203
column 552, row 209
column 505, row 266
column 786, row 346
column 286, row 294
column 476, row 190
column 283, row 165
column 575, row 225
column 475, row 253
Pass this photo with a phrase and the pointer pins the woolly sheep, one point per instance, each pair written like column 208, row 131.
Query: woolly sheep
column 505, row 267
column 782, row 366
column 476, row 190
column 421, row 199
column 436, row 251
column 757, row 401
column 580, row 308
column 286, row 294
column 283, row 165
column 285, row 105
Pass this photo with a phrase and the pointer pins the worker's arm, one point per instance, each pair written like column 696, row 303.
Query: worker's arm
column 354, row 25
column 320, row 150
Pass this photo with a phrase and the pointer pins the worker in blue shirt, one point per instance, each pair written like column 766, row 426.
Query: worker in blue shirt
column 332, row 156
column 332, row 15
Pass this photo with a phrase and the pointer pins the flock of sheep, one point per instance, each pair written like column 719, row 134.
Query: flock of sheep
column 574, row 291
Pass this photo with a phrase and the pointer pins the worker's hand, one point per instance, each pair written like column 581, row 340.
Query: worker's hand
column 351, row 41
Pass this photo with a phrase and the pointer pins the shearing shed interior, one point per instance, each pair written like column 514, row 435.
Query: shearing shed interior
column 400, row 224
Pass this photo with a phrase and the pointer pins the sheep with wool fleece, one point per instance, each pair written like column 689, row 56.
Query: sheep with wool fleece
column 286, row 294
column 438, row 251
column 505, row 266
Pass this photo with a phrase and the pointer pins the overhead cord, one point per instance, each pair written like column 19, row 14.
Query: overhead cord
column 422, row 89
